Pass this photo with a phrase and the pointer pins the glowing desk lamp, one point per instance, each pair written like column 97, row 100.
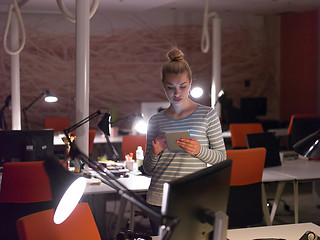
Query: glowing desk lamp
column 48, row 98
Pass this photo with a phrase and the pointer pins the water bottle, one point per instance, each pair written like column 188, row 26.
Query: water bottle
column 139, row 156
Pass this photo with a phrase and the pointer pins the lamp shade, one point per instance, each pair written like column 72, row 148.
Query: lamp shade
column 67, row 188
column 49, row 97
column 309, row 146
column 104, row 124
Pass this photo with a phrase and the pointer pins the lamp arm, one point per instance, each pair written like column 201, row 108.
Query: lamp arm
column 33, row 102
column 80, row 123
column 25, row 118
column 115, row 156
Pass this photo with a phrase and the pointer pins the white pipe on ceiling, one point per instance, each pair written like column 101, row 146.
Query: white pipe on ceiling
column 216, row 51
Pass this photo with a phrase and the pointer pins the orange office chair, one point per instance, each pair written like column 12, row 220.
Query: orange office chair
column 58, row 124
column 245, row 202
column 131, row 142
column 79, row 225
column 240, row 130
column 25, row 189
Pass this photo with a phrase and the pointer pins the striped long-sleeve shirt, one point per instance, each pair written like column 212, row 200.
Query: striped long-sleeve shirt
column 204, row 125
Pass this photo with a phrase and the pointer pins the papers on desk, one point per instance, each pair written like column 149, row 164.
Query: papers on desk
column 93, row 181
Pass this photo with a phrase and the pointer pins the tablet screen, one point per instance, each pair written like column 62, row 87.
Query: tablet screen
column 172, row 137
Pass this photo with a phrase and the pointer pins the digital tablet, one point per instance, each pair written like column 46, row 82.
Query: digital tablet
column 172, row 137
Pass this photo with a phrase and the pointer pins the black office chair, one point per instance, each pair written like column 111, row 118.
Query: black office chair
column 269, row 141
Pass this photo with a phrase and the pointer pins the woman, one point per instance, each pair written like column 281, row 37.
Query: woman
column 206, row 145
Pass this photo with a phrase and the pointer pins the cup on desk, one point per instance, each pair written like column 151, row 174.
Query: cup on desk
column 131, row 165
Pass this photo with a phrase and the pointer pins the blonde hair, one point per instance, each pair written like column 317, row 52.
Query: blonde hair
column 176, row 64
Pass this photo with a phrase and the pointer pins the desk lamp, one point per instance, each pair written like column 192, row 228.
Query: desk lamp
column 309, row 146
column 219, row 97
column 48, row 98
column 196, row 92
column 67, row 188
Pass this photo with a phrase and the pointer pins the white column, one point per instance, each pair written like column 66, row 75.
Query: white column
column 82, row 73
column 15, row 74
column 216, row 62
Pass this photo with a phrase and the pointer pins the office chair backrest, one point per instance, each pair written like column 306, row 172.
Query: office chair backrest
column 131, row 142
column 25, row 189
column 240, row 130
column 245, row 204
column 58, row 124
column 295, row 116
column 247, row 165
column 24, row 182
column 269, row 141
column 79, row 225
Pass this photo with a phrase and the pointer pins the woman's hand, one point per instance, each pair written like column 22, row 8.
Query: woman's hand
column 159, row 144
column 191, row 145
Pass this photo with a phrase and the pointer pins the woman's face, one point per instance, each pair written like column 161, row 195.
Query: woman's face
column 176, row 87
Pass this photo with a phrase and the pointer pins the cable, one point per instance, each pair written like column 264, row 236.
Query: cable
column 68, row 15
column 205, row 43
column 14, row 6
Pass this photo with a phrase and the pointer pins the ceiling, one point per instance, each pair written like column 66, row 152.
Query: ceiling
column 265, row 7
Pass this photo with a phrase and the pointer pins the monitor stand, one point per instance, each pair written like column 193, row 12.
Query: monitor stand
column 220, row 226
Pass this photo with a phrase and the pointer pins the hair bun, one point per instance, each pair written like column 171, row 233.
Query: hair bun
column 176, row 55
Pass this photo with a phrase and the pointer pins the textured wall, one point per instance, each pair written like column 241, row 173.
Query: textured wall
column 125, row 67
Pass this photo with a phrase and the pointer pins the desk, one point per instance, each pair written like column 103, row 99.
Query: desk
column 137, row 184
column 133, row 183
column 288, row 232
column 294, row 171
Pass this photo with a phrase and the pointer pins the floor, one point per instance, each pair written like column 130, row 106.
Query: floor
column 308, row 209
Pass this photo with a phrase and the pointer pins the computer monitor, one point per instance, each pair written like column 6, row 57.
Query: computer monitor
column 25, row 145
column 194, row 199
column 253, row 107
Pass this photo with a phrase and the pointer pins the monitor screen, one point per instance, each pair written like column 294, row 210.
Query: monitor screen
column 254, row 106
column 196, row 197
column 25, row 145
